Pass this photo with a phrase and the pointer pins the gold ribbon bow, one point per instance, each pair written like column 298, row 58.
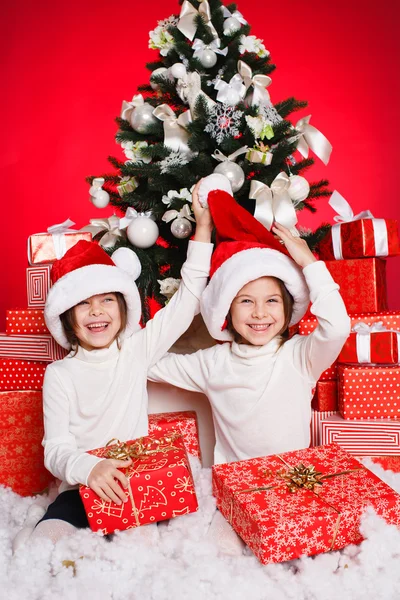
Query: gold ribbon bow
column 274, row 203
column 144, row 446
column 259, row 82
column 311, row 137
column 187, row 18
column 128, row 107
column 175, row 134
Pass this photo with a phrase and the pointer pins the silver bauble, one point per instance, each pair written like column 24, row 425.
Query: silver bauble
column 178, row 70
column 142, row 232
column 142, row 117
column 233, row 172
column 161, row 71
column 100, row 199
column 231, row 25
column 181, row 228
column 208, row 58
column 299, row 188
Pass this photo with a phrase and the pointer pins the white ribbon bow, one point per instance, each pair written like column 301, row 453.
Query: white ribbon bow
column 259, row 82
column 111, row 228
column 132, row 214
column 189, row 89
column 175, row 134
column 57, row 231
column 230, row 93
column 222, row 158
column 187, row 18
column 199, row 46
column 345, row 214
column 363, row 339
column 128, row 107
column 184, row 213
column 311, row 137
column 236, row 14
column 274, row 203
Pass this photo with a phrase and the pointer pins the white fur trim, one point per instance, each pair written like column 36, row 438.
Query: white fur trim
column 83, row 283
column 212, row 182
column 240, row 269
column 127, row 260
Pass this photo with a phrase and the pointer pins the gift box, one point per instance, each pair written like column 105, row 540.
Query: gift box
column 390, row 319
column 371, row 345
column 369, row 392
column 37, row 285
column 160, row 484
column 40, row 348
column 362, row 283
column 26, row 321
column 300, row 503
column 389, row 463
column 45, row 248
column 185, row 422
column 21, row 433
column 21, row 375
column 361, row 438
column 317, row 417
column 326, row 396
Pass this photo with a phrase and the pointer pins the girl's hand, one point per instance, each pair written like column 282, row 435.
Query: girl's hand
column 204, row 222
column 104, row 477
column 296, row 247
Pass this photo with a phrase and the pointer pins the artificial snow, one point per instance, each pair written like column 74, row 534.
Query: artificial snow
column 182, row 563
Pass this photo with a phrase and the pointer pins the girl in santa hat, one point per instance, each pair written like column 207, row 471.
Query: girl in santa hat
column 98, row 392
column 259, row 381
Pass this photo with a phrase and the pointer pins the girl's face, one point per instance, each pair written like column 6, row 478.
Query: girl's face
column 257, row 312
column 98, row 321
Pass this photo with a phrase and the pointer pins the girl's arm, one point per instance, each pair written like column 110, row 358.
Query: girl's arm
column 187, row 371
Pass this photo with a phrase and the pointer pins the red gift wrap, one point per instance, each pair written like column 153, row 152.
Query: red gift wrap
column 380, row 348
column 37, row 285
column 21, row 433
column 358, row 240
column 330, row 373
column 369, row 392
column 278, row 508
column 389, row 463
column 361, row 438
column 160, row 485
column 389, row 318
column 25, row 322
column 21, row 375
column 362, row 283
column 317, row 417
column 326, row 396
column 185, row 422
column 31, row 347
column 42, row 247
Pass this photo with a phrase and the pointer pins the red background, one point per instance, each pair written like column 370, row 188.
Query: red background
column 67, row 66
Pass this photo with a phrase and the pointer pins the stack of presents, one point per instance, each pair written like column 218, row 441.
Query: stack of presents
column 283, row 506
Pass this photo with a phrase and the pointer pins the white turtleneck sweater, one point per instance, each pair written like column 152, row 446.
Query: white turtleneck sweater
column 98, row 395
column 261, row 395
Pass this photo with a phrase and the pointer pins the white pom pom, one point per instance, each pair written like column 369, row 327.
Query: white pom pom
column 128, row 261
column 212, row 182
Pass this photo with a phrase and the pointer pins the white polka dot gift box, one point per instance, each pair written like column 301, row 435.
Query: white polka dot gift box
column 25, row 321
column 369, row 392
column 389, row 318
column 160, row 484
column 21, row 375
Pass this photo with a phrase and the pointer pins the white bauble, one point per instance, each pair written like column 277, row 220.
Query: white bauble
column 208, row 58
column 233, row 172
column 231, row 25
column 299, row 188
column 100, row 199
column 161, row 71
column 178, row 70
column 181, row 228
column 142, row 117
column 142, row 232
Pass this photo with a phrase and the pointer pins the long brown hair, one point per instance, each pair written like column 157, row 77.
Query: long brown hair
column 69, row 324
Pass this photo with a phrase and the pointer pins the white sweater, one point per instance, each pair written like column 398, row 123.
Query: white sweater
column 261, row 395
column 98, row 395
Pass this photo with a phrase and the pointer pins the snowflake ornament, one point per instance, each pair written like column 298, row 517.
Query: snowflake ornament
column 224, row 122
column 173, row 161
column 251, row 43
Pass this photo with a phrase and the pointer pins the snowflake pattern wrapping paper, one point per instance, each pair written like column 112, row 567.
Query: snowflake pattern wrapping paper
column 160, row 486
column 185, row 422
column 280, row 525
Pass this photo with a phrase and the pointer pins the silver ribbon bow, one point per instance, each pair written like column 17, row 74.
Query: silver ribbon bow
column 259, row 82
column 274, row 203
column 110, row 227
column 57, row 232
column 236, row 15
column 128, row 107
column 345, row 215
column 132, row 214
column 230, row 93
column 222, row 158
column 311, row 137
column 184, row 213
column 175, row 134
column 363, row 339
column 187, row 18
column 199, row 46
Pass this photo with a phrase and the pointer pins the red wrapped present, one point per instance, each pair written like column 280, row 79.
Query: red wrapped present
column 21, row 433
column 389, row 463
column 330, row 373
column 21, row 375
column 31, row 347
column 358, row 236
column 362, row 283
column 390, row 319
column 25, row 321
column 371, row 344
column 37, row 285
column 317, row 418
column 45, row 248
column 326, row 396
column 369, row 392
column 300, row 503
column 185, row 422
column 361, row 438
column 160, row 484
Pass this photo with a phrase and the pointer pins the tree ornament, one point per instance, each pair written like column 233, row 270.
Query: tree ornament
column 233, row 172
column 141, row 229
column 142, row 118
column 98, row 197
column 181, row 226
column 231, row 25
column 161, row 71
column 299, row 188
column 208, row 58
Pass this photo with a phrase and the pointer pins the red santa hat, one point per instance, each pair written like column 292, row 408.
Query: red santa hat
column 86, row 270
column 245, row 251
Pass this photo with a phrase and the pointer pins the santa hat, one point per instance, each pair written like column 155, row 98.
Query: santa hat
column 245, row 251
column 86, row 270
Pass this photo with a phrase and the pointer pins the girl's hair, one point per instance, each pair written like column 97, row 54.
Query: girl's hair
column 287, row 311
column 69, row 322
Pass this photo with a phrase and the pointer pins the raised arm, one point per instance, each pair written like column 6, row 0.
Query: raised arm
column 187, row 371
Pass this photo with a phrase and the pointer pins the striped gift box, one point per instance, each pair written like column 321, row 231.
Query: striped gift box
column 30, row 347
column 317, row 417
column 37, row 285
column 362, row 438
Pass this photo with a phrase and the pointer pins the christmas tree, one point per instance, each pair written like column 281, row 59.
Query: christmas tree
column 205, row 109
